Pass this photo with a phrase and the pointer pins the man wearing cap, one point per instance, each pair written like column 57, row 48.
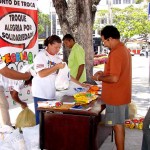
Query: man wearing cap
column 16, row 85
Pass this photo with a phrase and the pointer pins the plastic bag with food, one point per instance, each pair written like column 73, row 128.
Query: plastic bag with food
column 26, row 118
column 63, row 78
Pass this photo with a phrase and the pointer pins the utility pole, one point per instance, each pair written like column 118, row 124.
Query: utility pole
column 51, row 16
column 110, row 19
column 149, row 56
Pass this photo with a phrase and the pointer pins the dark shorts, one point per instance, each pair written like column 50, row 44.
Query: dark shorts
column 116, row 114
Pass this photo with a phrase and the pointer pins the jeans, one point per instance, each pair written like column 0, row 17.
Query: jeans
column 36, row 99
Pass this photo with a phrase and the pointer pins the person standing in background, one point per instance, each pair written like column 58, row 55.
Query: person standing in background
column 147, row 52
column 116, row 83
column 76, row 59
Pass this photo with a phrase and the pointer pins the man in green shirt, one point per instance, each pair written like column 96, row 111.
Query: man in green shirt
column 76, row 59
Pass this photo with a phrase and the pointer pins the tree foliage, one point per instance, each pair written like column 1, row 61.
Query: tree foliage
column 130, row 21
column 138, row 1
column 43, row 20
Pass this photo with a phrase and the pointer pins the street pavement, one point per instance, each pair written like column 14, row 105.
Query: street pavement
column 140, row 96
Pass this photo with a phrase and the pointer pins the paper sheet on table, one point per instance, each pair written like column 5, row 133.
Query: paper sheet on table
column 70, row 91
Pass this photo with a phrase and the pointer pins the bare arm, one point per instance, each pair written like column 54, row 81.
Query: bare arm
column 48, row 71
column 79, row 83
column 80, row 71
column 99, row 76
column 15, row 97
column 9, row 73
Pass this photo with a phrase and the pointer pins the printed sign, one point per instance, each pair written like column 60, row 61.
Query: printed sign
column 18, row 36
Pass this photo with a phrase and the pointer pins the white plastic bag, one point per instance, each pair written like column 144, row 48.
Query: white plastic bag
column 15, row 140
column 31, row 137
column 132, row 110
column 63, row 78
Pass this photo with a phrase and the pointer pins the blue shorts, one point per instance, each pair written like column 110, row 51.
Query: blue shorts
column 116, row 114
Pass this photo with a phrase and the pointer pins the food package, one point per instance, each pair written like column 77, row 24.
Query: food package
column 84, row 98
column 94, row 89
column 26, row 118
column 127, row 123
column 140, row 125
column 136, row 122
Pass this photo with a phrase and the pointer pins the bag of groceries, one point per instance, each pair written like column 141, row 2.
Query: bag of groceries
column 63, row 79
column 26, row 118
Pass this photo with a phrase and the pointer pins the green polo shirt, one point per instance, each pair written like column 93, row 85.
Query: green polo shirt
column 77, row 58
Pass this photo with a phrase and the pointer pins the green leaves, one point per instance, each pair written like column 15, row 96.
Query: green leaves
column 43, row 21
column 130, row 21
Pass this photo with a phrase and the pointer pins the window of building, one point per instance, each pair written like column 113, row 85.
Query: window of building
column 103, row 20
column 59, row 32
column 107, row 2
column 116, row 1
column 127, row 1
column 58, row 22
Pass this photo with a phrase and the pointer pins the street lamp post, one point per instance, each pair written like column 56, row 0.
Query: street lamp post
column 149, row 20
column 51, row 13
column 110, row 12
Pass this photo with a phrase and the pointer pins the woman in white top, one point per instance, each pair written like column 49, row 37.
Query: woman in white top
column 46, row 65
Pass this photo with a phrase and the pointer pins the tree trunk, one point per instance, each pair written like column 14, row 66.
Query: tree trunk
column 77, row 17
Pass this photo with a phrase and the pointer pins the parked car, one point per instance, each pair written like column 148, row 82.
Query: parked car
column 41, row 44
column 143, row 52
column 96, row 44
column 132, row 54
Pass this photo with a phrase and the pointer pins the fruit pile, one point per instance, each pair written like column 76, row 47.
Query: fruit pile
column 58, row 104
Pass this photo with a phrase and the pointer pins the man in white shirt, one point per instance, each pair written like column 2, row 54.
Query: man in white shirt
column 9, row 73
column 15, row 86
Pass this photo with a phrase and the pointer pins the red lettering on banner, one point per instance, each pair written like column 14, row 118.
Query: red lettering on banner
column 13, row 57
column 7, row 58
column 25, row 56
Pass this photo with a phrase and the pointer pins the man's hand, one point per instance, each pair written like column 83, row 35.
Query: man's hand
column 60, row 65
column 24, row 105
column 85, row 85
column 97, row 75
column 27, row 75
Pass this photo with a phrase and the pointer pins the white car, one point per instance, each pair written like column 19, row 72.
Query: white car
column 143, row 52
column 132, row 54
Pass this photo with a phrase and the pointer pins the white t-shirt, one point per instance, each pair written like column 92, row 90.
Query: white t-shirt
column 10, row 84
column 44, row 87
column 2, row 64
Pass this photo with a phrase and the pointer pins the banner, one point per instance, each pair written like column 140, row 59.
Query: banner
column 18, row 33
